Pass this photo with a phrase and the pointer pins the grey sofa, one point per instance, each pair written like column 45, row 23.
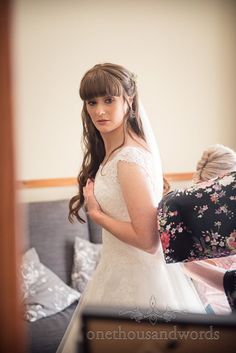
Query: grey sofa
column 50, row 233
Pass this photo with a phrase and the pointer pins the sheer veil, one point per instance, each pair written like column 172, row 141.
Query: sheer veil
column 152, row 144
column 185, row 291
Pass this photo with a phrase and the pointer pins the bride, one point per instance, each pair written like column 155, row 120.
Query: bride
column 120, row 184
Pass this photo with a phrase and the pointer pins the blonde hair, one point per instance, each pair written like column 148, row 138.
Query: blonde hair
column 215, row 161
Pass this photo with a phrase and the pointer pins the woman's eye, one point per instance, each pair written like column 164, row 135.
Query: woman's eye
column 109, row 100
column 91, row 103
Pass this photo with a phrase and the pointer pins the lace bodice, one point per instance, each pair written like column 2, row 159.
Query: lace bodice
column 108, row 193
column 107, row 187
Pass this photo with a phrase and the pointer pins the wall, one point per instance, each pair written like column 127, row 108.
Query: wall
column 183, row 53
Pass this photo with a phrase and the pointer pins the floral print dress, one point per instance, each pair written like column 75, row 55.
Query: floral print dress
column 199, row 222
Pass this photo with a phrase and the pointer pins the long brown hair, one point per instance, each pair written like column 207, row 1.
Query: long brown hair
column 103, row 80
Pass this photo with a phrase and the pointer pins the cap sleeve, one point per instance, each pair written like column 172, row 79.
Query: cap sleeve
column 138, row 156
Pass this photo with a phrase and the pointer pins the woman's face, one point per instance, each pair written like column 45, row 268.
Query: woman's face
column 107, row 113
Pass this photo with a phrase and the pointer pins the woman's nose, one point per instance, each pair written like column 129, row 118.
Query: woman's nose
column 100, row 110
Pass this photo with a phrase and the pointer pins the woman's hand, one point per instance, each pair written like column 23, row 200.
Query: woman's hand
column 92, row 206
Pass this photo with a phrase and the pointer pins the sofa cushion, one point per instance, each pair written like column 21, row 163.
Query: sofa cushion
column 86, row 258
column 44, row 293
column 52, row 235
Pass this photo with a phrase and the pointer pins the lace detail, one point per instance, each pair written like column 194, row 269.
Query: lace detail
column 129, row 154
column 106, row 179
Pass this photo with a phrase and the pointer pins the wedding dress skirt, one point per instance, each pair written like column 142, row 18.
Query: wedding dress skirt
column 126, row 276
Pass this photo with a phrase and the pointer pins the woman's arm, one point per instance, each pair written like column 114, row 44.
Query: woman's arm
column 205, row 273
column 142, row 231
column 123, row 231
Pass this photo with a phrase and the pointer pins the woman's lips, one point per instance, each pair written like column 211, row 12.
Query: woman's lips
column 102, row 121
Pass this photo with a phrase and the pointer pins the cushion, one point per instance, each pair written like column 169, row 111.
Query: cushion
column 199, row 222
column 44, row 293
column 52, row 235
column 86, row 258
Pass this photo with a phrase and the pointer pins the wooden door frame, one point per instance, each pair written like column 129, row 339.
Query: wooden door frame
column 11, row 330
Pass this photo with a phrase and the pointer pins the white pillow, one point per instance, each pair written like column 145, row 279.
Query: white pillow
column 43, row 292
column 86, row 258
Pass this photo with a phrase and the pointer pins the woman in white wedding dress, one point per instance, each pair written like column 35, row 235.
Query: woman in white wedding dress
column 121, row 185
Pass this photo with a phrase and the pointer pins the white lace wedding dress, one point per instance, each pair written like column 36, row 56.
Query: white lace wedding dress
column 125, row 275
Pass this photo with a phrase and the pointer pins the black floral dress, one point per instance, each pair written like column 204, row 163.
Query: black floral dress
column 199, row 222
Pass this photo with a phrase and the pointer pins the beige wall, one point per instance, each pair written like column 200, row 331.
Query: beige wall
column 182, row 51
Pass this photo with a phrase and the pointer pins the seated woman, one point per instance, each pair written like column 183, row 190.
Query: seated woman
column 199, row 223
